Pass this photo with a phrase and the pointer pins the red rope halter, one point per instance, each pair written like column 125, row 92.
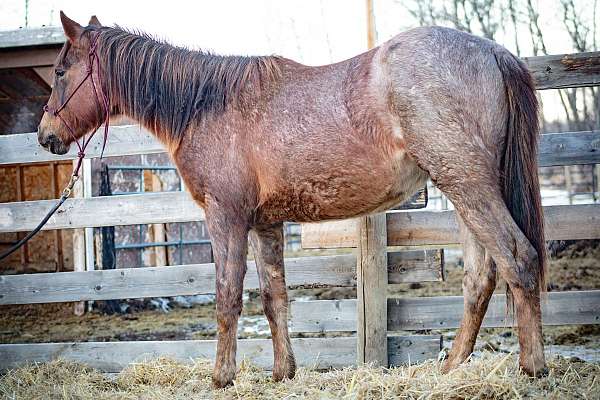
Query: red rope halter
column 101, row 99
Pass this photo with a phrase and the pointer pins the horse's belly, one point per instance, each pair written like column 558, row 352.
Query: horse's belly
column 339, row 194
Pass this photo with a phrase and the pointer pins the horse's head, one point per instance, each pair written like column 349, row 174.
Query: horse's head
column 74, row 108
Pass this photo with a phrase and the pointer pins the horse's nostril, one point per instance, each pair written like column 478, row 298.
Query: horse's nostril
column 47, row 140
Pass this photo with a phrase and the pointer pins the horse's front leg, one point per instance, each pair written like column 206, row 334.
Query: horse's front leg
column 229, row 236
column 267, row 243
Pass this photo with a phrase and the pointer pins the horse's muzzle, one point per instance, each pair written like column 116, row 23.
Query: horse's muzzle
column 52, row 143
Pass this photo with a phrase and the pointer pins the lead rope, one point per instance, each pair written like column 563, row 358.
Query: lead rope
column 66, row 193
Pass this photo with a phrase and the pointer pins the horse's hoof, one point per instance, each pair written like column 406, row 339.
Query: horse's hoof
column 221, row 381
column 533, row 365
column 536, row 373
column 447, row 366
column 288, row 373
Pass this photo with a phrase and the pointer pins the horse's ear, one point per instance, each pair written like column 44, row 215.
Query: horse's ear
column 94, row 21
column 72, row 29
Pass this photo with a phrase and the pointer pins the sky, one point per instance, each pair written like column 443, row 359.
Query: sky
column 313, row 32
column 310, row 31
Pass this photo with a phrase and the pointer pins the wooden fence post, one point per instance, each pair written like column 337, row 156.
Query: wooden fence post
column 371, row 290
column 78, row 246
column 371, row 269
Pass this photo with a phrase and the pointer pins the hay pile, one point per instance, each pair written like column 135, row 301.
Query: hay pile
column 491, row 376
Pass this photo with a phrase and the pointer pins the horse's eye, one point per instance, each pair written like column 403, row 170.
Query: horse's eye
column 59, row 72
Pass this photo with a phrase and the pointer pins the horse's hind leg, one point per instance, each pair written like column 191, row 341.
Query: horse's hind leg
column 229, row 237
column 470, row 179
column 478, row 285
column 268, row 244
column 481, row 206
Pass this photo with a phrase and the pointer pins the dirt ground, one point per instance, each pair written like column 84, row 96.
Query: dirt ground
column 574, row 269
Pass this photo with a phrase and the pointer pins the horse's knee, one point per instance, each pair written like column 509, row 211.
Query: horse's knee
column 228, row 312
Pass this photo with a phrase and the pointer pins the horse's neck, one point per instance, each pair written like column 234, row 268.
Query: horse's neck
column 167, row 89
column 146, row 101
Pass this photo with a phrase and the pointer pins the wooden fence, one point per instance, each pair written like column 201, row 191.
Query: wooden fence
column 373, row 265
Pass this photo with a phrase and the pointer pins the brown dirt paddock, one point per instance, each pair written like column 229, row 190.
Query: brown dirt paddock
column 491, row 376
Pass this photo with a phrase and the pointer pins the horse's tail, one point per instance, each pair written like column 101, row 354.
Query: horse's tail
column 519, row 167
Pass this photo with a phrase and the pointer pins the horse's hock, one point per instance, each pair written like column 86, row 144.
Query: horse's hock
column 372, row 316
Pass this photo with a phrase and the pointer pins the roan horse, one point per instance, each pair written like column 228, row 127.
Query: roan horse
column 262, row 140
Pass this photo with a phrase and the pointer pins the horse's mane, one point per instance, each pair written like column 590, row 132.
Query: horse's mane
column 167, row 87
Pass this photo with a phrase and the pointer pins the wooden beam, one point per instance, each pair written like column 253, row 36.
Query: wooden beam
column 46, row 73
column 404, row 228
column 555, row 148
column 565, row 70
column 319, row 353
column 371, row 30
column 106, row 211
column 560, row 308
column 180, row 280
column 569, row 148
column 27, row 37
column 58, row 243
column 24, row 251
column 122, row 140
column 371, row 290
column 415, row 266
column 440, row 227
column 78, row 250
column 28, row 58
column 441, row 312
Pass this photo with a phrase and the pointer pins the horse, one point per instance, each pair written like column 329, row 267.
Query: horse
column 263, row 140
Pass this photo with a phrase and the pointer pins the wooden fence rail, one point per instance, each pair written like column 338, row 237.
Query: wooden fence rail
column 318, row 353
column 336, row 270
column 440, row 227
column 441, row 312
column 148, row 208
column 564, row 148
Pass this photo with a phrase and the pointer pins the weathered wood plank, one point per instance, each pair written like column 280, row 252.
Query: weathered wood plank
column 403, row 350
column 319, row 353
column 418, row 228
column 323, row 316
column 565, row 70
column 160, row 281
column 560, row 308
column 439, row 227
column 122, row 140
column 415, row 266
column 50, row 35
column 78, row 252
column 555, row 149
column 28, row 58
column 106, row 211
column 337, row 270
column 371, row 290
column 442, row 312
column 569, row 148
